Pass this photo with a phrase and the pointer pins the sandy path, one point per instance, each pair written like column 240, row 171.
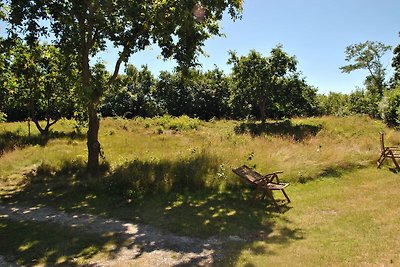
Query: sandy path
column 145, row 245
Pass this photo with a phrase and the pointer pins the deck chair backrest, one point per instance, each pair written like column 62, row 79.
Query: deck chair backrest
column 388, row 152
column 248, row 174
column 382, row 141
column 263, row 183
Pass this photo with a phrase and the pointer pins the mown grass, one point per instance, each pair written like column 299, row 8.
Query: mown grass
column 178, row 178
column 350, row 221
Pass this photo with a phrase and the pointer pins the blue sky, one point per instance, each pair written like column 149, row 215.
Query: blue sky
column 315, row 31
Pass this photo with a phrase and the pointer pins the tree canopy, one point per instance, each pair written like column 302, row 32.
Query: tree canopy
column 396, row 65
column 269, row 84
column 41, row 85
column 83, row 28
column 368, row 55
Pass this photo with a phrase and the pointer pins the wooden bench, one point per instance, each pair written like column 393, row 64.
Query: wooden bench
column 264, row 183
column 390, row 152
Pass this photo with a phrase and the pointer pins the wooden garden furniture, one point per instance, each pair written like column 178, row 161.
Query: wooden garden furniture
column 264, row 183
column 390, row 152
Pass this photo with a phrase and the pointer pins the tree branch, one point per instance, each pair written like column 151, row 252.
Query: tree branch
column 124, row 54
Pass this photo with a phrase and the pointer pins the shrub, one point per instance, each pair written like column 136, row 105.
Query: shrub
column 390, row 108
column 3, row 117
column 177, row 124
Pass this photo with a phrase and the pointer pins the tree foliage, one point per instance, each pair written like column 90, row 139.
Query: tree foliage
column 131, row 95
column 83, row 28
column 40, row 85
column 268, row 86
column 368, row 55
column 390, row 107
column 396, row 65
column 198, row 94
column 333, row 104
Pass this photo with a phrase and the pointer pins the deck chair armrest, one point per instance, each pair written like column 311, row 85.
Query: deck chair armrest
column 264, row 179
column 273, row 175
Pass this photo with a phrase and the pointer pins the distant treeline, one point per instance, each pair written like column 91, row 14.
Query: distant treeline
column 40, row 84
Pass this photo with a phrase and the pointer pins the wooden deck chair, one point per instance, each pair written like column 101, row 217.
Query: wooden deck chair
column 262, row 183
column 391, row 152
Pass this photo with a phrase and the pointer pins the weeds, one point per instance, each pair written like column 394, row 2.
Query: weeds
column 175, row 124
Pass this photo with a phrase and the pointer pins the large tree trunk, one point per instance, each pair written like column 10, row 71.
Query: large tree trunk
column 93, row 143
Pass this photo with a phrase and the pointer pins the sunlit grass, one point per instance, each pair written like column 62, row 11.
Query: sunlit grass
column 303, row 148
column 343, row 212
column 350, row 221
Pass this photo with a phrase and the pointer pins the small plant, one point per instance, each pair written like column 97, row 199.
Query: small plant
column 177, row 124
column 3, row 117
column 221, row 172
column 110, row 132
column 160, row 129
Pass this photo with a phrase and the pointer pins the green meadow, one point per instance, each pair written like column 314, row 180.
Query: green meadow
column 175, row 174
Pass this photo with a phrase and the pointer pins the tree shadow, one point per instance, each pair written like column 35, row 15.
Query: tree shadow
column 260, row 246
column 11, row 140
column 394, row 170
column 179, row 198
column 286, row 128
column 32, row 243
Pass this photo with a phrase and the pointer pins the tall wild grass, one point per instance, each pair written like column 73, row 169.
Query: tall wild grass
column 166, row 154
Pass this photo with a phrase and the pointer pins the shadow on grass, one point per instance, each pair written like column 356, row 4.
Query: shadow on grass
column 11, row 140
column 298, row 132
column 177, row 197
column 31, row 243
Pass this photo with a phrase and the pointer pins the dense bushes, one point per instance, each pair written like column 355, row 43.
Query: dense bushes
column 203, row 95
column 196, row 94
column 390, row 107
column 386, row 108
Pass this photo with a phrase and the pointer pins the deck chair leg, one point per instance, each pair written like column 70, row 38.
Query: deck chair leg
column 393, row 159
column 271, row 196
column 286, row 196
column 380, row 160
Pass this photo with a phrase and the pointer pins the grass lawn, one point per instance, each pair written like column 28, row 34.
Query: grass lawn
column 176, row 176
column 351, row 220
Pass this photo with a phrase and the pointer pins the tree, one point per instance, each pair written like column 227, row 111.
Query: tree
column 396, row 66
column 83, row 28
column 368, row 56
column 131, row 95
column 4, row 76
column 258, row 79
column 41, row 85
column 334, row 104
column 175, row 92
column 296, row 98
column 359, row 102
column 390, row 107
column 212, row 94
